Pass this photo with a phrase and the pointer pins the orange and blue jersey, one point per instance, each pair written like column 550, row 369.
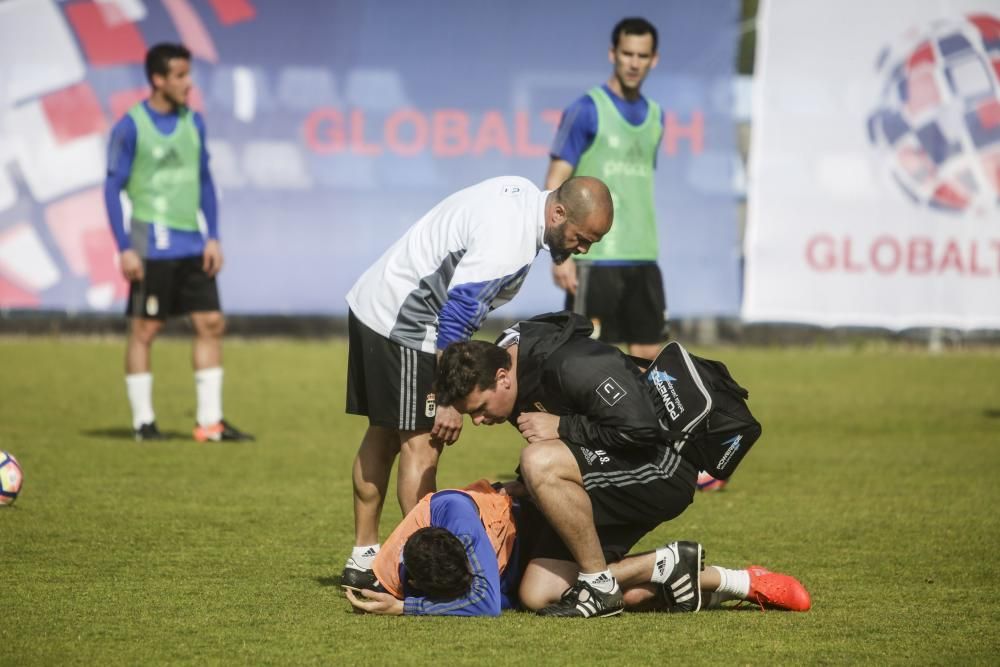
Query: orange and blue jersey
column 483, row 521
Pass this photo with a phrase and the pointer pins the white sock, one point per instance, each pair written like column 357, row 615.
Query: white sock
column 603, row 581
column 208, row 388
column 139, row 387
column 735, row 583
column 663, row 566
column 363, row 557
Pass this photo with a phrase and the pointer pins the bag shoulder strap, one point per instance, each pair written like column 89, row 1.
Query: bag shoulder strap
column 721, row 378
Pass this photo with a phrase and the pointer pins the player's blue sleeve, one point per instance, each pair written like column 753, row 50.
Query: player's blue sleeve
column 577, row 130
column 121, row 153
column 209, row 204
column 456, row 512
column 464, row 311
column 467, row 306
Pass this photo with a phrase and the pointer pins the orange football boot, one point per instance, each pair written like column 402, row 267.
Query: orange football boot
column 220, row 431
column 777, row 591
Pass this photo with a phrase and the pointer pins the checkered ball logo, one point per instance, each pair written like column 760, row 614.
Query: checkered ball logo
column 936, row 127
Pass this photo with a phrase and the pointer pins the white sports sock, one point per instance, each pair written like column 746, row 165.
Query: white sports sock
column 363, row 557
column 666, row 561
column 735, row 583
column 139, row 387
column 603, row 581
column 208, row 388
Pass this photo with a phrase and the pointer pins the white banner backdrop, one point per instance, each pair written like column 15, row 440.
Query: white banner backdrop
column 874, row 195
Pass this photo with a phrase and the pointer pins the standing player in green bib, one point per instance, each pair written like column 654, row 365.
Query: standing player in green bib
column 613, row 133
column 157, row 155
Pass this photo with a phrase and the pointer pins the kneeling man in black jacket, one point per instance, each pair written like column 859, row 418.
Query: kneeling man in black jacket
column 597, row 465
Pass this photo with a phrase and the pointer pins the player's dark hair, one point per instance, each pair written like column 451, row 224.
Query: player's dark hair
column 634, row 25
column 465, row 366
column 158, row 58
column 436, row 563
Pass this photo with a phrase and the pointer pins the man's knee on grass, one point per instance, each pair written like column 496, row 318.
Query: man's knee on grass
column 436, row 564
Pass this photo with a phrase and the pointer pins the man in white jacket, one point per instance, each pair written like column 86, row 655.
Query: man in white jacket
column 435, row 286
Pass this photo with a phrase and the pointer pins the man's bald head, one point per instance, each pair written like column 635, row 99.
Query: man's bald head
column 587, row 200
column 578, row 214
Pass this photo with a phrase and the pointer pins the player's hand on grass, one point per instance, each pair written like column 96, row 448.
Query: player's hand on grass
column 372, row 602
column 447, row 425
column 211, row 258
column 538, row 426
column 564, row 276
column 131, row 265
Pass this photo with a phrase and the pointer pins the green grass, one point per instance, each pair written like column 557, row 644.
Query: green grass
column 876, row 483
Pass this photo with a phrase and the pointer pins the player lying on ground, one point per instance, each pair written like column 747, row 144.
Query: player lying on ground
column 475, row 552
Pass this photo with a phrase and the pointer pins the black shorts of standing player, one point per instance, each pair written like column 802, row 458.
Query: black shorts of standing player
column 625, row 303
column 632, row 492
column 172, row 287
column 390, row 384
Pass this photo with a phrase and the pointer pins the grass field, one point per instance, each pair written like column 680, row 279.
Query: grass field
column 876, row 483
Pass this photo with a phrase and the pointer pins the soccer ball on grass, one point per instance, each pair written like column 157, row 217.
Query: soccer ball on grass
column 11, row 479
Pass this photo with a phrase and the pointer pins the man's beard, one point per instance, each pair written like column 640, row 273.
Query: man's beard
column 555, row 237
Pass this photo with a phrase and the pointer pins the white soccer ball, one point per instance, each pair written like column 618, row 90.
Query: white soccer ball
column 11, row 479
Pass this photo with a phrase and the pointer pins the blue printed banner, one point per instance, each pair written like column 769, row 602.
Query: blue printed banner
column 333, row 126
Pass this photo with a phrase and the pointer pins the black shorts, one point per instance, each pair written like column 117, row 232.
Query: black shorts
column 537, row 539
column 632, row 492
column 172, row 287
column 390, row 384
column 627, row 304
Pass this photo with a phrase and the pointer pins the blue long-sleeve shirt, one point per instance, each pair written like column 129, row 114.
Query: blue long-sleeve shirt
column 468, row 305
column 160, row 242
column 457, row 513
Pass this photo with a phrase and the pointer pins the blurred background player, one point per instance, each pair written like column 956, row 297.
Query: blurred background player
column 435, row 286
column 613, row 133
column 158, row 156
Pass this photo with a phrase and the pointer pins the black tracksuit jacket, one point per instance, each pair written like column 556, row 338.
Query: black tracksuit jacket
column 599, row 393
